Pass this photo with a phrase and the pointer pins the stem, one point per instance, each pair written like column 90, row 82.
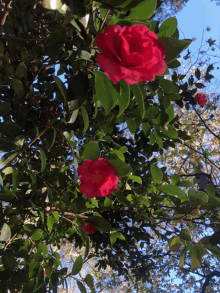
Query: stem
column 4, row 13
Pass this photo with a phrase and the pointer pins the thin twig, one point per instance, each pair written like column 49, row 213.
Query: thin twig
column 4, row 13
column 104, row 19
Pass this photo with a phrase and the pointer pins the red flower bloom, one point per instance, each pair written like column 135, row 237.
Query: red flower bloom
column 201, row 99
column 87, row 227
column 98, row 178
column 130, row 53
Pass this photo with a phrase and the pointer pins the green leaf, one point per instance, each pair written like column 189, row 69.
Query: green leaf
column 175, row 243
column 87, row 248
column 175, row 179
column 121, row 168
column 4, row 108
column 170, row 132
column 73, row 116
column 90, row 283
column 156, row 173
column 197, row 73
column 144, row 10
column 174, row 64
column 167, row 86
column 210, row 190
column 100, row 223
column 81, row 287
column 107, row 202
column 9, row 262
column 5, row 233
column 174, row 190
column 52, row 4
column 14, row 180
column 151, row 112
column 173, row 47
column 145, row 127
column 91, row 151
column 37, row 235
column 7, row 158
column 21, row 70
column 139, row 98
column 169, row 26
column 54, row 138
column 198, row 198
column 114, row 236
column 182, row 258
column 60, row 86
column 170, row 112
column 124, row 97
column 121, row 198
column 199, row 85
column 7, row 145
column 135, row 178
column 50, row 222
column 77, row 266
column 9, row 128
column 18, row 86
column 105, row 91
column 85, row 55
column 85, row 119
column 43, row 159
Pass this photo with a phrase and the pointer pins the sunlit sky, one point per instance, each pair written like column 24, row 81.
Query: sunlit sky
column 195, row 17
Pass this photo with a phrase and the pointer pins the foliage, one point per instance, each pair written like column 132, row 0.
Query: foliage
column 57, row 110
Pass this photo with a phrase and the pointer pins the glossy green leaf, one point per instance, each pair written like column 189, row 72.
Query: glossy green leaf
column 18, row 86
column 43, row 159
column 156, row 173
column 85, row 119
column 77, row 266
column 173, row 47
column 174, row 190
column 89, row 281
column 105, row 91
column 100, row 223
column 169, row 26
column 91, row 151
column 114, row 236
column 52, row 4
column 144, row 10
column 5, row 233
column 121, row 168
column 139, row 98
column 167, row 86
column 60, row 87
column 81, row 287
column 37, row 235
column 124, row 97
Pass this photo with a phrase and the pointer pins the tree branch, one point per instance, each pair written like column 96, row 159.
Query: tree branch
column 208, row 279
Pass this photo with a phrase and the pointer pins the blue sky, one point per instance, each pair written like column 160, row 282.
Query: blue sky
column 196, row 16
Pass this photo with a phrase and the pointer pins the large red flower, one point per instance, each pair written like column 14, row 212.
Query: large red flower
column 130, row 53
column 98, row 178
column 88, row 227
column 201, row 99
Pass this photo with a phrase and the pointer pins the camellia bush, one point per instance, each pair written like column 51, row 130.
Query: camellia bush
column 85, row 109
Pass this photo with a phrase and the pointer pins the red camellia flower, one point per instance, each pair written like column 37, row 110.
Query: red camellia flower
column 130, row 53
column 98, row 178
column 88, row 227
column 201, row 99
